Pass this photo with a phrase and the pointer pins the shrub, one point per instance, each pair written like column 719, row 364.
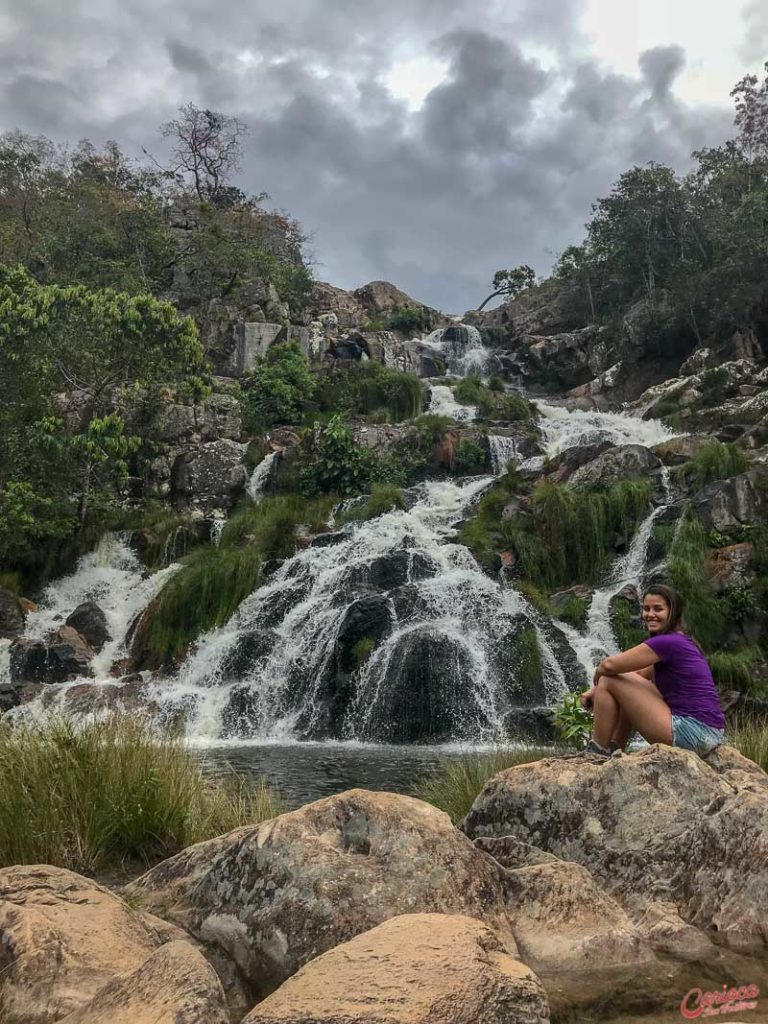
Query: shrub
column 430, row 429
column 572, row 721
column 688, row 570
column 410, row 319
column 574, row 611
column 457, row 782
column 278, row 390
column 338, row 463
column 370, row 389
column 98, row 794
column 470, row 457
column 495, row 383
column 383, row 498
column 624, row 622
column 492, row 403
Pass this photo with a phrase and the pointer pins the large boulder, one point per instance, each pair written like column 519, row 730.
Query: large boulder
column 175, row 985
column 65, row 655
column 11, row 615
column 727, row 504
column 276, row 895
column 631, row 821
column 209, row 477
column 62, row 937
column 413, row 969
column 91, row 623
column 622, row 462
column 327, row 299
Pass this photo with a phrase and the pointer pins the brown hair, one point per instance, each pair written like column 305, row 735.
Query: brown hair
column 675, row 603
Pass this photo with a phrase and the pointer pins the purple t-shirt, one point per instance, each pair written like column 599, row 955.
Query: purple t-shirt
column 684, row 679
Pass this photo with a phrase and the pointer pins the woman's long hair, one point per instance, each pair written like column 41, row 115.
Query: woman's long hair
column 675, row 602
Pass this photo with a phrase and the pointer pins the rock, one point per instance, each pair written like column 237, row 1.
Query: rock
column 512, row 853
column 731, row 566
column 210, row 477
column 129, row 695
column 413, row 969
column 378, row 298
column 62, row 938
column 10, row 696
column 252, row 342
column 595, row 389
column 576, row 938
column 621, row 462
column 727, row 504
column 11, row 615
column 91, row 623
column 679, row 450
column 327, row 299
column 175, row 985
column 641, row 849
column 66, row 655
column 563, row 598
column 276, row 895
column 562, row 467
column 701, row 359
column 368, row 619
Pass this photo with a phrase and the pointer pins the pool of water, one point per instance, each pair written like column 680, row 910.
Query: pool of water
column 308, row 771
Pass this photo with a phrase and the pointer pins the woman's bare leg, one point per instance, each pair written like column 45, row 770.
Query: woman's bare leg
column 640, row 703
column 623, row 731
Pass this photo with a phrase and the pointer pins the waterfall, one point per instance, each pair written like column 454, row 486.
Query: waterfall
column 462, row 347
column 260, row 477
column 442, row 403
column 503, row 450
column 217, row 528
column 113, row 577
column 562, row 428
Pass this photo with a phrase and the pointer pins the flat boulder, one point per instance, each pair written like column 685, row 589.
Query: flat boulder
column 412, row 969
column 728, row 504
column 276, row 895
column 658, row 824
column 62, row 938
column 175, row 985
column 621, row 462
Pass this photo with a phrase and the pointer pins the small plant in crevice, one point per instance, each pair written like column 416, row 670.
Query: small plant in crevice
column 713, row 461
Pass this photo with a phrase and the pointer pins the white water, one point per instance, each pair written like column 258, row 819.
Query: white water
column 113, row 577
column 217, row 528
column 465, row 354
column 260, row 477
column 442, row 403
column 503, row 450
column 563, row 429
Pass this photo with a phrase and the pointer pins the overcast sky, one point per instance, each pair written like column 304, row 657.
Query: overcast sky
column 426, row 142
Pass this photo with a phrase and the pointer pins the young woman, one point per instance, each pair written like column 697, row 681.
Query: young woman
column 663, row 688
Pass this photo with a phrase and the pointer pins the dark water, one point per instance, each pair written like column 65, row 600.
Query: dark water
column 304, row 772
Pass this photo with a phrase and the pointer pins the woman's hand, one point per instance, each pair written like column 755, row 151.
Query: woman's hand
column 598, row 673
column 587, row 698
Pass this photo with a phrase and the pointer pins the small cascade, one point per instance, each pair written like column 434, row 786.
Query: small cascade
column 113, row 577
column 217, row 528
column 503, row 450
column 462, row 347
column 562, row 428
column 598, row 639
column 442, row 403
column 260, row 477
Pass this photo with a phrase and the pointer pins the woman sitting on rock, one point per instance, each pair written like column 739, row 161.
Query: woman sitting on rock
column 663, row 688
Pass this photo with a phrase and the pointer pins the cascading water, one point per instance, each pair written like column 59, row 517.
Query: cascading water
column 260, row 477
column 442, row 403
column 503, row 450
column 461, row 345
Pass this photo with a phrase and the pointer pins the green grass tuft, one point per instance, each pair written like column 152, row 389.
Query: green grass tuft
column 688, row 570
column 383, row 498
column 94, row 796
column 736, row 670
column 457, row 782
column 713, row 461
column 750, row 737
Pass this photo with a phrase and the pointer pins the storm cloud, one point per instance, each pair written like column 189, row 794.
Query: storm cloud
column 496, row 164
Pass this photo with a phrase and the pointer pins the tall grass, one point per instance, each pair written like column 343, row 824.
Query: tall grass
column 383, row 498
column 736, row 670
column 368, row 389
column 492, row 403
column 94, row 796
column 688, row 570
column 751, row 738
column 456, row 784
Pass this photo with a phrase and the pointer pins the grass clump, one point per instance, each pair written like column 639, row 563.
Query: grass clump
column 269, row 528
column 370, row 389
column 574, row 611
column 457, row 782
column 688, row 570
column 713, row 461
column 492, row 402
column 750, row 737
column 626, row 623
column 98, row 795
column 736, row 670
column 383, row 498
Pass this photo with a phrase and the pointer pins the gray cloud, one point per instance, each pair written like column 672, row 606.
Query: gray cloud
column 498, row 166
column 755, row 45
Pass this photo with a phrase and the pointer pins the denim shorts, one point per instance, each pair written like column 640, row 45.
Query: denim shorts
column 691, row 734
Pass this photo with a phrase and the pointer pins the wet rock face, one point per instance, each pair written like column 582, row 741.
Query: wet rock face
column 91, row 623
column 11, row 615
column 417, row 968
column 632, row 822
column 275, row 896
column 65, row 655
column 211, row 476
column 621, row 462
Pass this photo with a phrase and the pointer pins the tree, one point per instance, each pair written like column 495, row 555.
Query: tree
column 278, row 389
column 510, row 283
column 751, row 119
column 207, row 149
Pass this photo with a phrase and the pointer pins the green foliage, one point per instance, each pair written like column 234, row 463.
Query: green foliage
column 528, row 658
column 430, row 429
column 457, row 782
column 572, row 721
column 740, row 604
column 368, row 389
column 269, row 528
column 736, row 670
column 278, row 389
column 337, row 463
column 30, row 521
column 492, row 403
column 624, row 621
column 750, row 737
column 511, row 283
column 574, row 611
column 688, row 570
column 495, row 383
column 96, row 795
column 537, row 598
column 383, row 498
column 713, row 461
column 362, row 651
column 470, row 457
column 411, row 319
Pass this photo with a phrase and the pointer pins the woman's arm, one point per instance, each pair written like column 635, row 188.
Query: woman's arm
column 634, row 660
